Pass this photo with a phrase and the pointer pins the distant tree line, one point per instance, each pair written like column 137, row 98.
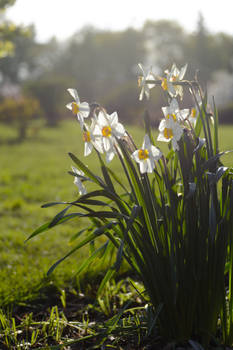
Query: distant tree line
column 102, row 65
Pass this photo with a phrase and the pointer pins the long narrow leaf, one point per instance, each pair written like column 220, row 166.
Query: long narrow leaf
column 86, row 170
column 80, row 245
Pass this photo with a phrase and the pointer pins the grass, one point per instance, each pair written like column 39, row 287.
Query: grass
column 32, row 173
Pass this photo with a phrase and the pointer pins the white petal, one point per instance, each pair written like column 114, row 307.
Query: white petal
column 84, row 107
column 140, row 66
column 87, row 148
column 84, row 114
column 156, row 153
column 174, row 105
column 147, row 92
column 184, row 113
column 146, row 143
column 76, row 171
column 141, row 94
column 183, row 71
column 119, row 130
column 113, row 119
column 74, row 94
column 135, row 156
column 162, row 125
column 107, row 143
column 165, row 110
column 177, row 133
column 174, row 71
column 102, row 119
column 150, row 165
column 98, row 144
column 97, row 131
column 110, row 156
column 69, row 106
column 161, row 137
column 150, row 76
column 171, row 89
column 143, row 167
column 175, row 144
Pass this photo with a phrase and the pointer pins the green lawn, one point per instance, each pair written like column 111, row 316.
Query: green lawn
column 35, row 172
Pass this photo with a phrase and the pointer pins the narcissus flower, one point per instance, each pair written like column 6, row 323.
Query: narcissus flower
column 89, row 139
column 175, row 75
column 106, row 130
column 81, row 110
column 193, row 115
column 146, row 156
column 173, row 111
column 170, row 130
column 78, row 182
column 146, row 75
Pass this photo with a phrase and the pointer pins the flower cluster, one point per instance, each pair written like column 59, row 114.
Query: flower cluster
column 103, row 131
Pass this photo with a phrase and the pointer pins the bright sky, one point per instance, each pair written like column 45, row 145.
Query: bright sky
column 61, row 18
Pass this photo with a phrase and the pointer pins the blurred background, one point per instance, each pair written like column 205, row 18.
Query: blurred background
column 48, row 46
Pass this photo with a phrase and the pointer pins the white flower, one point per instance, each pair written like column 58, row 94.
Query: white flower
column 193, row 116
column 173, row 111
column 89, row 139
column 195, row 110
column 78, row 182
column 106, row 130
column 170, row 130
column 175, row 75
column 142, row 82
column 81, row 110
column 146, row 156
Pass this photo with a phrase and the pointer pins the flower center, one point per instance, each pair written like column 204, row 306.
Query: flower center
column 106, row 131
column 139, row 81
column 86, row 136
column 75, row 108
column 173, row 116
column 174, row 78
column 193, row 113
column 143, row 154
column 168, row 133
column 164, row 84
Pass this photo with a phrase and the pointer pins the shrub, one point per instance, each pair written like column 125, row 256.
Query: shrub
column 19, row 113
column 49, row 91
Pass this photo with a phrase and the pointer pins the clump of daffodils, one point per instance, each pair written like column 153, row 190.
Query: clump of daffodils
column 102, row 131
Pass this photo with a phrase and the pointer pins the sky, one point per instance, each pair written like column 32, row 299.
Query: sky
column 62, row 18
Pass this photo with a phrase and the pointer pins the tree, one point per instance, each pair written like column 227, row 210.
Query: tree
column 6, row 46
column 98, row 61
column 165, row 41
column 19, row 113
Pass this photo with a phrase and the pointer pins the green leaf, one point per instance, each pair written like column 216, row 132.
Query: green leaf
column 106, row 175
column 79, row 233
column 48, row 226
column 98, row 252
column 116, row 178
column 201, row 143
column 46, row 205
column 39, row 230
column 80, row 245
column 86, row 170
column 59, row 216
column 119, row 257
column 216, row 150
column 109, row 274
